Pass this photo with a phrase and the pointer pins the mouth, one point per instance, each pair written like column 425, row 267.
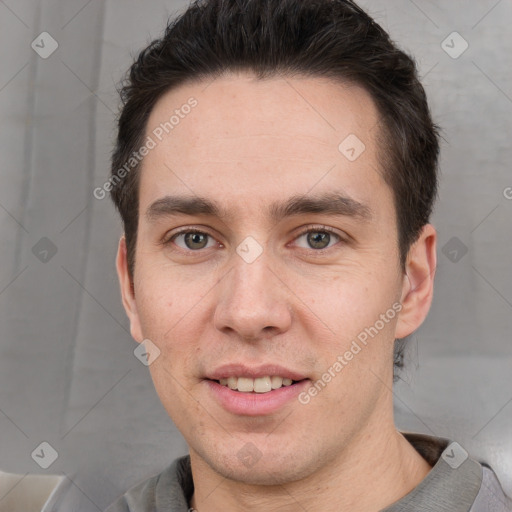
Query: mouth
column 255, row 390
column 259, row 385
column 260, row 396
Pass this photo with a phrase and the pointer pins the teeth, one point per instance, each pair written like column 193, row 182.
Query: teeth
column 259, row 385
column 277, row 382
column 245, row 385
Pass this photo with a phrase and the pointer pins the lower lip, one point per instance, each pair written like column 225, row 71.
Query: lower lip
column 255, row 404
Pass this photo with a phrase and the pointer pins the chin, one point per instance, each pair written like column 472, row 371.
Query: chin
column 262, row 474
column 270, row 469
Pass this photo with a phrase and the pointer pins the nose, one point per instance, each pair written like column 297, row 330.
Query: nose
column 253, row 302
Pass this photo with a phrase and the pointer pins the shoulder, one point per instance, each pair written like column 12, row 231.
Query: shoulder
column 139, row 498
column 168, row 491
column 491, row 497
column 456, row 483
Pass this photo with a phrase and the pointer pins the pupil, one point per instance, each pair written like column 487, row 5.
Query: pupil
column 195, row 238
column 318, row 240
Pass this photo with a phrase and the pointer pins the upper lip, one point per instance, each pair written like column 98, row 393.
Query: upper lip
column 243, row 370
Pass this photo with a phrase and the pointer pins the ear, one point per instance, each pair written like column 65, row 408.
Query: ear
column 127, row 291
column 418, row 282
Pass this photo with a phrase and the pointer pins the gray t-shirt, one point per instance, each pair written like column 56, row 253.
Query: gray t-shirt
column 456, row 483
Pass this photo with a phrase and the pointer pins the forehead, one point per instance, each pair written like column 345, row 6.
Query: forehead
column 240, row 138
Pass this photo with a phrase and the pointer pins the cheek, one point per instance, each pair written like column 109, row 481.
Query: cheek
column 166, row 298
column 174, row 312
column 347, row 300
column 349, row 335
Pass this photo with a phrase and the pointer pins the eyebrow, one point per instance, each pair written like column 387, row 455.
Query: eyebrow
column 329, row 204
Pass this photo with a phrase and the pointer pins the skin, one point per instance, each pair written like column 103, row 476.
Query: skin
column 248, row 144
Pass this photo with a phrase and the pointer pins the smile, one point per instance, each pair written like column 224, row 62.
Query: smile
column 258, row 385
column 244, row 399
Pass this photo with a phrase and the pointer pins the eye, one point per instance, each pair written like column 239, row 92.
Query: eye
column 319, row 238
column 191, row 239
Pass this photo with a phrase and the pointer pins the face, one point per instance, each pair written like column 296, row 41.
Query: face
column 267, row 248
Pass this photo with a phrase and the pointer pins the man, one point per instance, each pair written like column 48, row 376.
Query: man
column 275, row 171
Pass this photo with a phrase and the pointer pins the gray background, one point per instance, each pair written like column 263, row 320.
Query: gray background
column 68, row 375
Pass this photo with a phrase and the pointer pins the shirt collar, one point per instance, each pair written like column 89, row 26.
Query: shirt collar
column 451, row 485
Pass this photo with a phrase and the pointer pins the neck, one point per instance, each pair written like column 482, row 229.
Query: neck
column 374, row 472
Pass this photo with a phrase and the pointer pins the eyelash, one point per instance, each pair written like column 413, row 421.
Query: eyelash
column 308, row 229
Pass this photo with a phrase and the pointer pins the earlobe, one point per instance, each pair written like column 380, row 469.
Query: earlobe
column 127, row 291
column 418, row 282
